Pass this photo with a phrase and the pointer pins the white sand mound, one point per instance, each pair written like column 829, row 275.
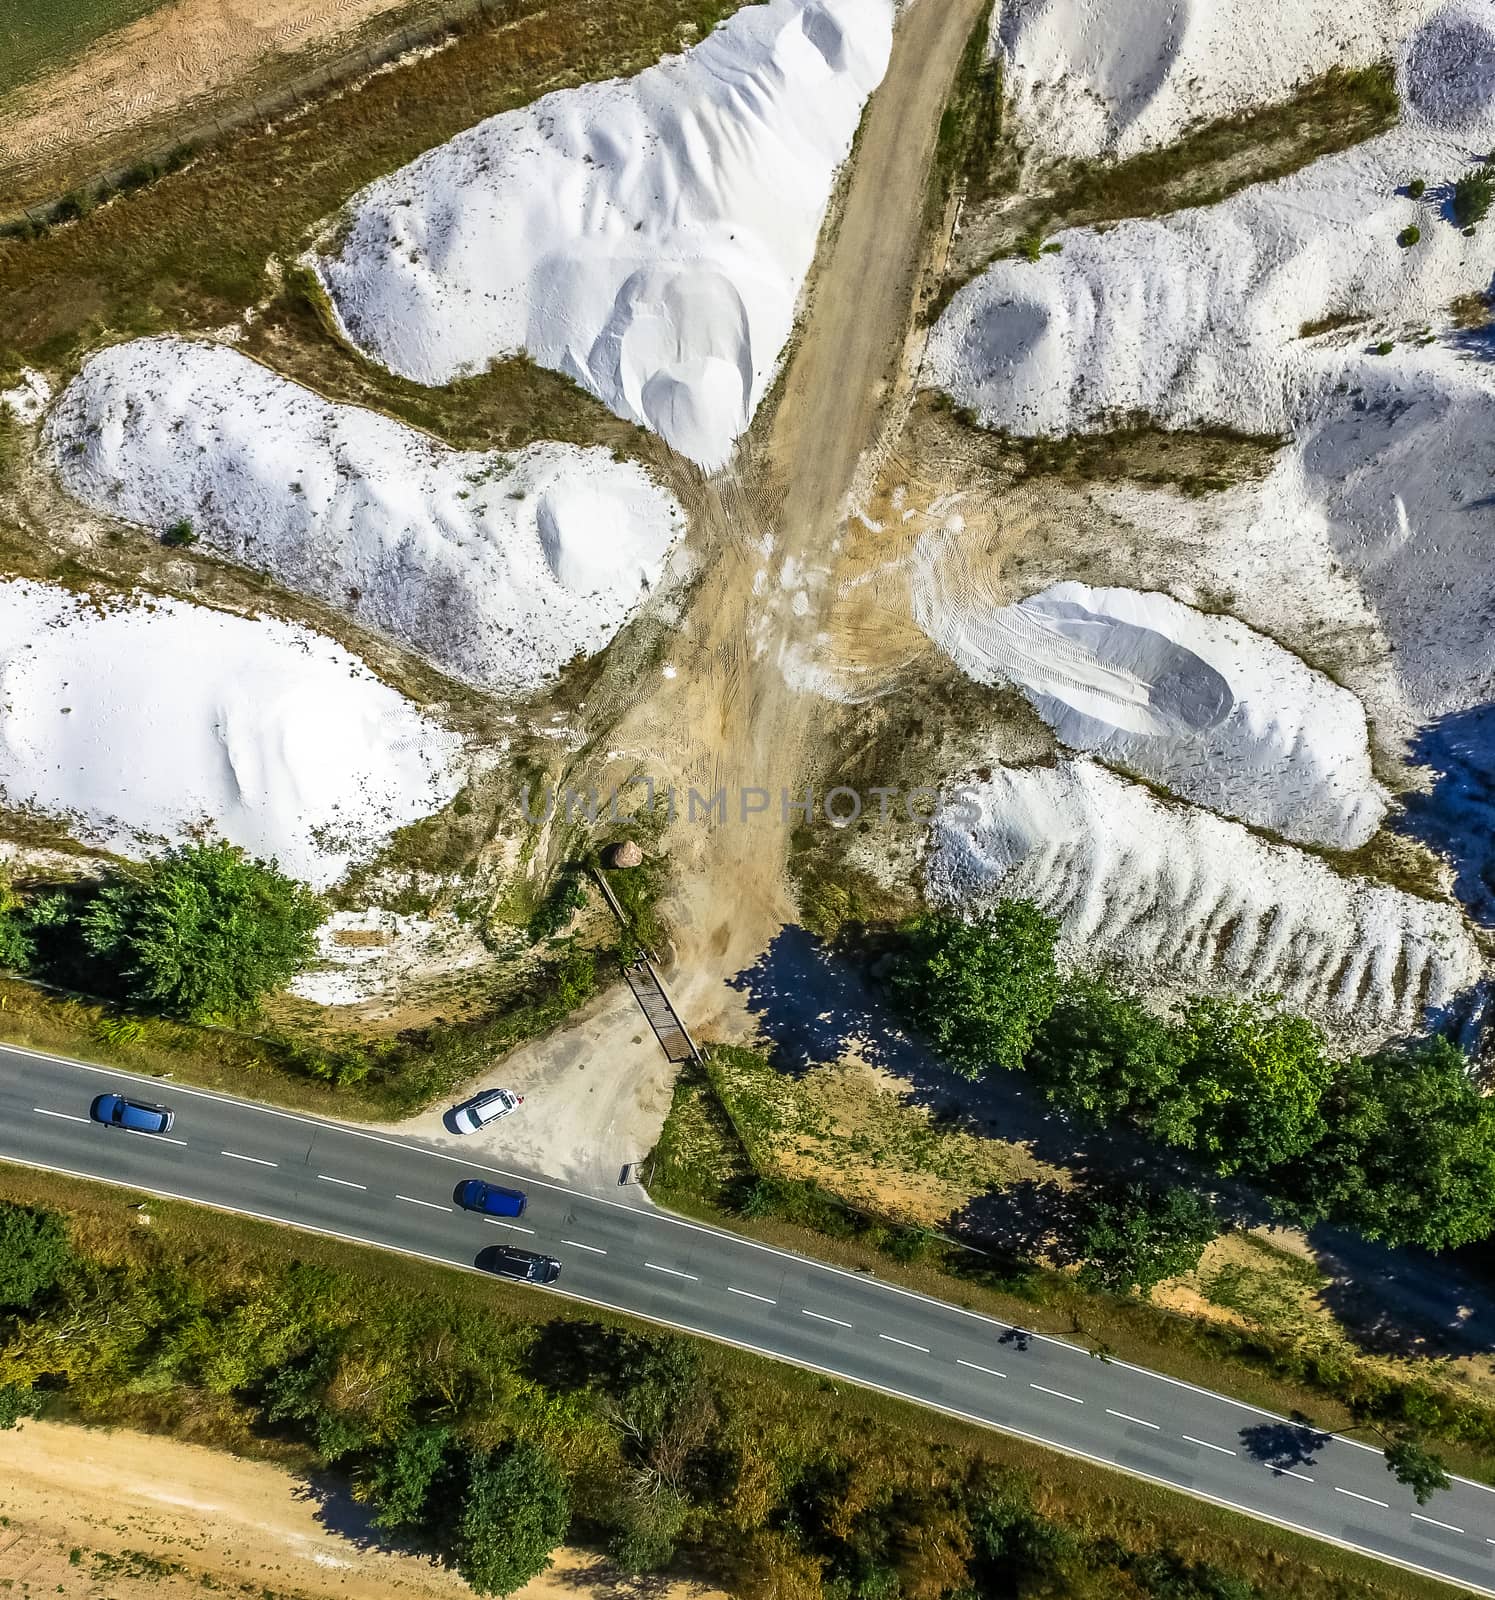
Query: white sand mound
column 1446, row 75
column 1196, row 319
column 648, row 236
column 143, row 720
column 1159, row 888
column 1121, row 76
column 1200, row 704
column 497, row 569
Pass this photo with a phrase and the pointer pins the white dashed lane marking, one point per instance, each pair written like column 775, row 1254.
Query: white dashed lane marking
column 976, row 1366
column 1058, row 1394
column 65, row 1116
column 1287, row 1472
column 1141, row 1422
column 1204, row 1444
column 907, row 1344
column 513, row 1227
column 1433, row 1522
column 820, row 1316
column 1365, row 1497
column 430, row 1205
column 576, row 1244
column 674, row 1272
column 342, row 1183
column 747, row 1294
column 259, row 1161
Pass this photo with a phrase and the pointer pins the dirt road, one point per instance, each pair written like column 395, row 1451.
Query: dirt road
column 128, row 1516
column 747, row 698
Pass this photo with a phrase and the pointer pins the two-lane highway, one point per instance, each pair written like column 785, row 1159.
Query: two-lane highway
column 399, row 1194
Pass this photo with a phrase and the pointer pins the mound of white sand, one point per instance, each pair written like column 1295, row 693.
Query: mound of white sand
column 1163, row 889
column 143, row 720
column 1088, row 77
column 648, row 236
column 497, row 569
column 1199, row 704
column 1198, row 318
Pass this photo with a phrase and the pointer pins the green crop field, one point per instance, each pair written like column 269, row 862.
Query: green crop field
column 37, row 36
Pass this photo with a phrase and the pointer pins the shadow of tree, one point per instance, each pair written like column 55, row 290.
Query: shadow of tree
column 1283, row 1446
column 350, row 1519
column 1457, row 816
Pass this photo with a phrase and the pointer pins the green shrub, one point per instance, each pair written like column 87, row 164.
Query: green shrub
column 204, row 931
column 981, row 989
column 179, row 534
column 1408, row 237
column 1417, row 188
column 1472, row 195
column 1383, row 349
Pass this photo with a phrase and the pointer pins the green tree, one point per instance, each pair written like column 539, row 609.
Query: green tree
column 34, row 1251
column 514, row 1513
column 1256, row 1076
column 399, row 1480
column 980, row 989
column 1419, row 1468
column 1128, row 1236
column 17, row 946
column 206, row 931
column 1103, row 1054
column 1409, row 1153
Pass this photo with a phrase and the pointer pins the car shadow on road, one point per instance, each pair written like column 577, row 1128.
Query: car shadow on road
column 816, row 1005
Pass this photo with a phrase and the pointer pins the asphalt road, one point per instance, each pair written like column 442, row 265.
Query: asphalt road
column 398, row 1194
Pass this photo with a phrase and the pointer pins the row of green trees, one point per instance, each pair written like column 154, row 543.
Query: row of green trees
column 487, row 1440
column 203, row 932
column 1398, row 1145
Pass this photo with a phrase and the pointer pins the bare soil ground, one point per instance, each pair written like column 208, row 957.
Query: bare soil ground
column 124, row 1516
column 189, row 52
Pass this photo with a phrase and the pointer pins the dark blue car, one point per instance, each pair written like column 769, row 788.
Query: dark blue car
column 139, row 1116
column 490, row 1199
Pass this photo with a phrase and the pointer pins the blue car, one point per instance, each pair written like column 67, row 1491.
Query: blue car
column 139, row 1116
column 490, row 1199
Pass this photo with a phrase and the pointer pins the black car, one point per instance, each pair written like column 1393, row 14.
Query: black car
column 509, row 1262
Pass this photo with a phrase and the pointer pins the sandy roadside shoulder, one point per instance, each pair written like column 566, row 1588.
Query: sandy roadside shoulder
column 155, row 1517
column 188, row 50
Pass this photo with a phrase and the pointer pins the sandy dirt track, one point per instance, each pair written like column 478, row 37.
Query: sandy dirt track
column 116, row 1496
column 187, row 51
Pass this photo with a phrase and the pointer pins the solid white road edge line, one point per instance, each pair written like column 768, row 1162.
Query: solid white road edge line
column 773, row 1355
column 695, row 1227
